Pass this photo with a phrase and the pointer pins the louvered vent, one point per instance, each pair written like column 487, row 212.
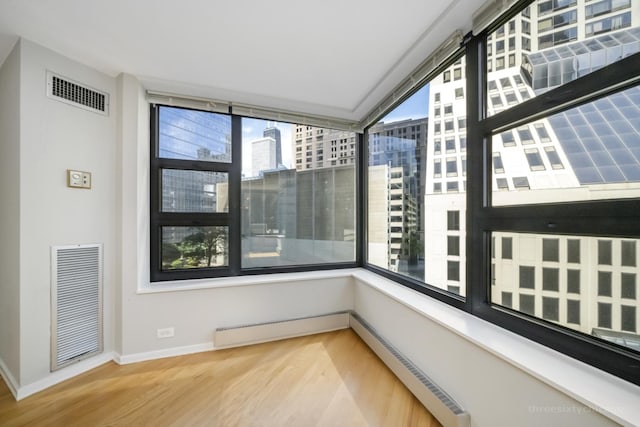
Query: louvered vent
column 73, row 93
column 76, row 303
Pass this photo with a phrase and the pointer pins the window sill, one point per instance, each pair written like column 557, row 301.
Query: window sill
column 248, row 280
column 600, row 391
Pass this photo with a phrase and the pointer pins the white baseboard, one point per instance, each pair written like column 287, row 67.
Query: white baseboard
column 272, row 331
column 159, row 354
column 11, row 382
column 63, row 375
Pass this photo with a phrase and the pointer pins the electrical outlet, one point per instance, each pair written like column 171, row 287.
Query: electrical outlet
column 165, row 333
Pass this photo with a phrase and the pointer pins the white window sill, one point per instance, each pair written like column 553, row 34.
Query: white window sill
column 607, row 394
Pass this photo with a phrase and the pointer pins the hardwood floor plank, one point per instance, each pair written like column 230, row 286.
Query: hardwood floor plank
column 331, row 379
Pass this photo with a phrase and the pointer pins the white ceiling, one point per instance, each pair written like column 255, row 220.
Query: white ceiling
column 336, row 58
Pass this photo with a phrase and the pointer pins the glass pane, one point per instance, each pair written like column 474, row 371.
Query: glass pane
column 552, row 44
column 194, row 135
column 298, row 194
column 194, row 191
column 416, row 177
column 589, row 152
column 577, row 292
column 194, row 247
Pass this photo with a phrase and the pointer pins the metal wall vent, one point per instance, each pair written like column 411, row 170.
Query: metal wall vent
column 73, row 93
column 76, row 303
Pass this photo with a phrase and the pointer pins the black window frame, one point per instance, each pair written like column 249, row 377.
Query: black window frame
column 232, row 218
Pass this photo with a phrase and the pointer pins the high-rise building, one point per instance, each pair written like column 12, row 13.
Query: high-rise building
column 274, row 132
column 315, row 147
column 263, row 155
column 586, row 153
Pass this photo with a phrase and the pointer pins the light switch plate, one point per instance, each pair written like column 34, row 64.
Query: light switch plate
column 78, row 179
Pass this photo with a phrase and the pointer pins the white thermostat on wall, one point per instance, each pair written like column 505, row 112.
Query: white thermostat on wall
column 78, row 179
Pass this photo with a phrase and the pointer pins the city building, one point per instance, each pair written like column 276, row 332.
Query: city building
column 315, row 147
column 583, row 283
column 274, row 132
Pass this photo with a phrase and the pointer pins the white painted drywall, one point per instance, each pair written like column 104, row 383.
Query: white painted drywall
column 10, row 214
column 54, row 137
column 494, row 392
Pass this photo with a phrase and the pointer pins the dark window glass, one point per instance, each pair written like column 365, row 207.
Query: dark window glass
column 628, row 285
column 604, row 315
column 550, row 250
column 507, row 299
column 453, row 270
column 573, row 311
column 453, row 245
column 573, row 250
column 453, row 289
column 628, row 318
column 507, row 249
column 604, row 283
column 573, row 281
column 550, row 279
column 527, row 304
column 527, row 277
column 604, row 252
column 628, row 248
column 550, row 308
column 453, row 220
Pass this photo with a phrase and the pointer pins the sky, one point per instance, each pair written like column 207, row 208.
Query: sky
column 417, row 106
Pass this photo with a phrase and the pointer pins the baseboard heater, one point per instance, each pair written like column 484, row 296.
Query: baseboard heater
column 439, row 403
column 436, row 400
column 271, row 331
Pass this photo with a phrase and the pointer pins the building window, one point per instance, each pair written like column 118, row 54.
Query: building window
column 604, row 283
column 550, row 250
column 628, row 318
column 507, row 248
column 527, row 277
column 527, row 304
column 550, row 308
column 573, row 311
column 550, row 279
column 628, row 255
column 507, row 299
column 453, row 220
column 573, row 281
column 453, row 245
column 604, row 315
column 453, row 271
column 628, row 285
column 604, row 252
column 573, row 250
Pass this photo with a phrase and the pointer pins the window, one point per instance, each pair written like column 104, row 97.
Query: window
column 604, row 283
column 574, row 243
column 550, row 308
column 571, row 175
column 628, row 285
column 550, row 279
column 573, row 281
column 507, row 248
column 527, row 277
column 452, row 167
column 550, row 250
column 197, row 179
column 573, row 311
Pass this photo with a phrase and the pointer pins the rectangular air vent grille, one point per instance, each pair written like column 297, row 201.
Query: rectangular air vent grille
column 76, row 303
column 70, row 92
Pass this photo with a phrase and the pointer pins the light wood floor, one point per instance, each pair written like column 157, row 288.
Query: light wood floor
column 330, row 379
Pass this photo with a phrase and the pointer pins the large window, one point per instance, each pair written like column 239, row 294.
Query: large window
column 411, row 232
column 231, row 195
column 548, row 201
column 572, row 230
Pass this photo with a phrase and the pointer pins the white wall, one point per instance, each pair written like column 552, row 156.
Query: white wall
column 54, row 137
column 10, row 214
column 494, row 392
column 194, row 314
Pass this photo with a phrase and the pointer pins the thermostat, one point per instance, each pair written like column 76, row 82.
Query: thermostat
column 78, row 179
